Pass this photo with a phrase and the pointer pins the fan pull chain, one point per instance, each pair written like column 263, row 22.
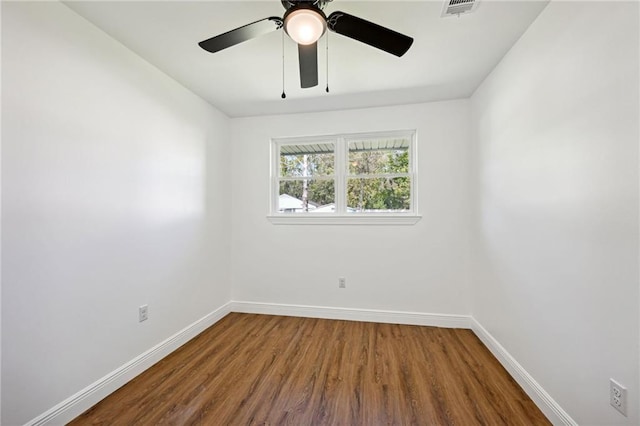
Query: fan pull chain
column 327, row 89
column 284, row 95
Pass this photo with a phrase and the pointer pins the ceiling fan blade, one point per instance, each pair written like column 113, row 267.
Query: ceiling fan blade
column 244, row 33
column 308, row 57
column 367, row 32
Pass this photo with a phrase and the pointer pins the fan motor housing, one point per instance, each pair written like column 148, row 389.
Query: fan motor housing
column 304, row 5
column 319, row 4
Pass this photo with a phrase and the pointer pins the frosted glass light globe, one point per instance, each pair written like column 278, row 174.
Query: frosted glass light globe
column 305, row 26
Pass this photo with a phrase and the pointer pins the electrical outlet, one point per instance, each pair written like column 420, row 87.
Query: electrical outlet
column 618, row 396
column 342, row 282
column 143, row 313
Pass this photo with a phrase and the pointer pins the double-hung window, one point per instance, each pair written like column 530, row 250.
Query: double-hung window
column 344, row 179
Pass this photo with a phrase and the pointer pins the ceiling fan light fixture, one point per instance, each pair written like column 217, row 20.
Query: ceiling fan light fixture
column 305, row 25
column 305, row 22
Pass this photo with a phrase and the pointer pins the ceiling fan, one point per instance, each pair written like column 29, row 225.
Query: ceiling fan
column 305, row 22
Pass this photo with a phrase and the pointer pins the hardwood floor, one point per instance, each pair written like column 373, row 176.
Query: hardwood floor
column 259, row 369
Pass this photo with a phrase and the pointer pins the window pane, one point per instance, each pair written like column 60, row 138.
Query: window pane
column 307, row 195
column 307, row 160
column 379, row 194
column 379, row 157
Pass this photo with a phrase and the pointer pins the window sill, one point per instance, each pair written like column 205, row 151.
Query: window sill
column 332, row 219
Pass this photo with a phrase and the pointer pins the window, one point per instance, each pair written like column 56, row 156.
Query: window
column 362, row 178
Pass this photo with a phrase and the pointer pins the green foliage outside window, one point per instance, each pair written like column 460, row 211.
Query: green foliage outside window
column 367, row 190
column 378, row 193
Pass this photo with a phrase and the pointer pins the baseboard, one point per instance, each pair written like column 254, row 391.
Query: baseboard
column 367, row 315
column 540, row 397
column 77, row 404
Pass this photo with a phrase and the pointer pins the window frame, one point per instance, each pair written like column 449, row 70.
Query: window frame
column 341, row 174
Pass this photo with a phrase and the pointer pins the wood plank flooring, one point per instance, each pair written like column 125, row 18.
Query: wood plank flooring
column 273, row 370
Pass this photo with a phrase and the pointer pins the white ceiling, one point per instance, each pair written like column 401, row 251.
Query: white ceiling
column 449, row 58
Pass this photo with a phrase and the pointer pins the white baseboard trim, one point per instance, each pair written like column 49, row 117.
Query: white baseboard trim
column 350, row 314
column 540, row 397
column 77, row 404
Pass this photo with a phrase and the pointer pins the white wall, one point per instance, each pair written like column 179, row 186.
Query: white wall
column 0, row 218
column 114, row 186
column 419, row 268
column 555, row 274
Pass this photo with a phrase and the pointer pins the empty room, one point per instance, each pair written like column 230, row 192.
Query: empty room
column 322, row 212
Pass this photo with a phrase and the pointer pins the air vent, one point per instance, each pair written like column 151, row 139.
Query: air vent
column 458, row 7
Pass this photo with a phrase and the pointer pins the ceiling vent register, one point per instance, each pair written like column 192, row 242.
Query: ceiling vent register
column 458, row 7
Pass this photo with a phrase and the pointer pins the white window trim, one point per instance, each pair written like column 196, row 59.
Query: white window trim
column 340, row 217
column 336, row 219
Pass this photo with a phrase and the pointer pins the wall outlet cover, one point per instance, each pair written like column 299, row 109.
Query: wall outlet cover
column 618, row 396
